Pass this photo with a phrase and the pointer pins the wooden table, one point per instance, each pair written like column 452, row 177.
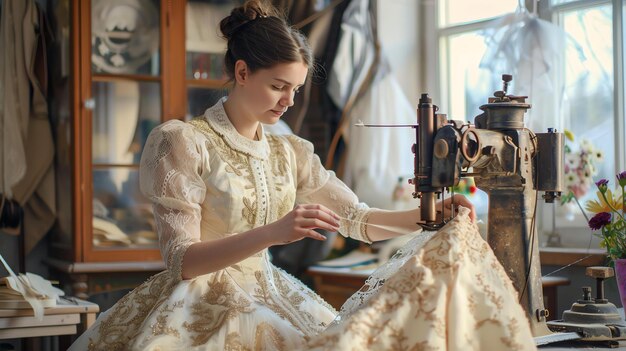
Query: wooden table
column 69, row 317
column 336, row 285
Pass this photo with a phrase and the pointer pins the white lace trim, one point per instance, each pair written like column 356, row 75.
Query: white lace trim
column 379, row 277
column 218, row 120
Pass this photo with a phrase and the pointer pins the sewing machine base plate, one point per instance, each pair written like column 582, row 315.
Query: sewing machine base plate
column 591, row 332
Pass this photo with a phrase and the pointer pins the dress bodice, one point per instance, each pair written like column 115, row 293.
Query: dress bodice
column 207, row 182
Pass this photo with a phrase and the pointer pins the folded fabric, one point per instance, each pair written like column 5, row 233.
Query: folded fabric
column 28, row 291
column 443, row 290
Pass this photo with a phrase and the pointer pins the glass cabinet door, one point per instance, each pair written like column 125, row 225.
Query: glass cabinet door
column 135, row 72
column 125, row 37
column 126, row 95
column 205, row 48
column 125, row 112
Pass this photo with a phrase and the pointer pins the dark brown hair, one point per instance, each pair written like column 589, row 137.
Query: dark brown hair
column 260, row 36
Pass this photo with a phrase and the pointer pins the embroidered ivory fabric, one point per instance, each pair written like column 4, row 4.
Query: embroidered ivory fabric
column 208, row 182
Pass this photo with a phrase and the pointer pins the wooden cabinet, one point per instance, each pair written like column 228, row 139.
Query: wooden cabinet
column 133, row 64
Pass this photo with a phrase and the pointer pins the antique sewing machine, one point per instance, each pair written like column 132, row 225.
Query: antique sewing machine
column 512, row 165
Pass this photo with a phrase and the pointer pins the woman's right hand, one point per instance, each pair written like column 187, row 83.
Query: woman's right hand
column 301, row 222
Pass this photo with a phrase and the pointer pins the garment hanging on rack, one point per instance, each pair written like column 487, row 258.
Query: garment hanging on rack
column 362, row 85
column 26, row 144
column 533, row 51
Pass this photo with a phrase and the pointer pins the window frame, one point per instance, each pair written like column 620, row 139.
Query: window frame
column 553, row 13
column 436, row 81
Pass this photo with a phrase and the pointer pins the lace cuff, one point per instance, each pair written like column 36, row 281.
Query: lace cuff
column 355, row 224
column 175, row 260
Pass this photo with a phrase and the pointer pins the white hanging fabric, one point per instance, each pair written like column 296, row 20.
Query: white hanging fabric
column 26, row 143
column 531, row 49
column 376, row 157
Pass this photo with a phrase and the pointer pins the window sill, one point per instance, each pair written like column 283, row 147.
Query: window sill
column 563, row 256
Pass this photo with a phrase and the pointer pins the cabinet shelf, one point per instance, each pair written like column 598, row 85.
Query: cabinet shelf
column 114, row 165
column 124, row 77
column 207, row 83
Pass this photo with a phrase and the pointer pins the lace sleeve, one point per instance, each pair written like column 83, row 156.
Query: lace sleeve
column 171, row 176
column 315, row 184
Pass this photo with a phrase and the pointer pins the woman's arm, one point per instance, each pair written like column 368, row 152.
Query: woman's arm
column 389, row 224
column 318, row 185
column 209, row 256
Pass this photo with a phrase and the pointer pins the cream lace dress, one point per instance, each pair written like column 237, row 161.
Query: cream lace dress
column 442, row 291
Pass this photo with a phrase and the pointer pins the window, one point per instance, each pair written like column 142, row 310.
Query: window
column 461, row 48
column 587, row 73
column 463, row 86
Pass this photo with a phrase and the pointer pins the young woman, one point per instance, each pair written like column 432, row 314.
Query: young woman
column 223, row 192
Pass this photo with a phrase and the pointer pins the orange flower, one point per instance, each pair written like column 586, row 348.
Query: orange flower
column 598, row 206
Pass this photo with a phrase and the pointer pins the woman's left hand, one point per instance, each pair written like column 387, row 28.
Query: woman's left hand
column 459, row 200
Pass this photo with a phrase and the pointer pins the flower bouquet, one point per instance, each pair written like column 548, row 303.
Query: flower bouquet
column 610, row 210
column 579, row 167
column 609, row 218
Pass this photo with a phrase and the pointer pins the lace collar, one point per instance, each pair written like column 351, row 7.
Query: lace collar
column 218, row 120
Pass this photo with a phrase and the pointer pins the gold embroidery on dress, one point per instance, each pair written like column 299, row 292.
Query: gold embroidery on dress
column 249, row 210
column 161, row 327
column 266, row 338
column 280, row 184
column 284, row 206
column 267, row 335
column 291, row 312
column 234, row 343
column 278, row 158
column 236, row 162
column 214, row 308
column 125, row 319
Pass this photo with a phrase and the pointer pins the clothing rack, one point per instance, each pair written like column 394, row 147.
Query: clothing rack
column 12, row 221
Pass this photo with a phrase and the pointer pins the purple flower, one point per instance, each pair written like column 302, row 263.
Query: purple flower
column 602, row 185
column 600, row 220
column 621, row 178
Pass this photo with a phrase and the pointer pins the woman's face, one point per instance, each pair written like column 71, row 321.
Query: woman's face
column 269, row 92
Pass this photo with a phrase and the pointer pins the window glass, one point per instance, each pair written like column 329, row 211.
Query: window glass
column 468, row 85
column 122, row 216
column 453, row 12
column 561, row 2
column 589, row 107
column 125, row 113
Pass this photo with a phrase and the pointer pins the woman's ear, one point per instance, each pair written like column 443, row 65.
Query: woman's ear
column 241, row 72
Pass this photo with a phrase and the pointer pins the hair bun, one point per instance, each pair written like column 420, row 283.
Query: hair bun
column 241, row 15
